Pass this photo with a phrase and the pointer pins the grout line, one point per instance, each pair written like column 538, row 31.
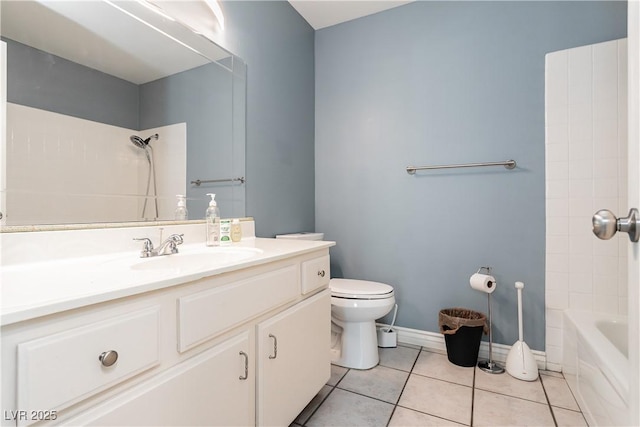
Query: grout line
column 447, row 381
column 544, row 389
column 367, row 396
column 405, row 385
column 317, row 407
column 432, row 415
column 473, row 394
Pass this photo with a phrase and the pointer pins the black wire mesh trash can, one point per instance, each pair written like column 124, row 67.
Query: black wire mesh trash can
column 462, row 329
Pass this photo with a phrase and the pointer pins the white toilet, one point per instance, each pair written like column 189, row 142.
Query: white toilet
column 355, row 305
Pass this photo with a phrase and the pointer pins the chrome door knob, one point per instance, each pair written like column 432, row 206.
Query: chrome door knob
column 605, row 224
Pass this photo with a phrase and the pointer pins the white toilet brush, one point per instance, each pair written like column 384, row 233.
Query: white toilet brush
column 520, row 361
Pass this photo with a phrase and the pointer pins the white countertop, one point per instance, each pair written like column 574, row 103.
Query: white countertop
column 34, row 289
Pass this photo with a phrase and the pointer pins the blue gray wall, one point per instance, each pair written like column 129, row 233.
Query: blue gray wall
column 439, row 83
column 277, row 45
column 209, row 129
column 41, row 80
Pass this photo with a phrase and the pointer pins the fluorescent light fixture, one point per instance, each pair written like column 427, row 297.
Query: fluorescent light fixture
column 217, row 11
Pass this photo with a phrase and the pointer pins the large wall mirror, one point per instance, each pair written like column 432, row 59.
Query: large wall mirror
column 113, row 109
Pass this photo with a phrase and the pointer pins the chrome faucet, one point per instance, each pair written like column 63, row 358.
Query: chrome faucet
column 168, row 247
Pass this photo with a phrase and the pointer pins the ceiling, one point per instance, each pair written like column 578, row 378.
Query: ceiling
column 325, row 13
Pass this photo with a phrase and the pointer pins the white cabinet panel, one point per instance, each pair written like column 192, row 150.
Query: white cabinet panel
column 60, row 369
column 205, row 390
column 205, row 314
column 315, row 274
column 293, row 359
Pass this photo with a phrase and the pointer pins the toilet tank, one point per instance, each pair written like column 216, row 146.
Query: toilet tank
column 301, row 236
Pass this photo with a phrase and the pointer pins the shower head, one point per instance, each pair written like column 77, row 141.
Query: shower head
column 137, row 141
column 142, row 143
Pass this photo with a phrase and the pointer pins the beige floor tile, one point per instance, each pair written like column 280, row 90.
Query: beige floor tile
column 510, row 386
column 403, row 417
column 337, row 372
column 559, row 393
column 492, row 409
column 343, row 408
column 566, row 418
column 439, row 398
column 380, row 383
column 400, row 357
column 313, row 405
column 436, row 365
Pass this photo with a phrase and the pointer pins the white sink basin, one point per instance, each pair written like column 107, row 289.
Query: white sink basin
column 202, row 259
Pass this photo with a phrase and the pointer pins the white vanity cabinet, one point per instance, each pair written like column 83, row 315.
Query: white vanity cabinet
column 212, row 388
column 201, row 352
column 293, row 360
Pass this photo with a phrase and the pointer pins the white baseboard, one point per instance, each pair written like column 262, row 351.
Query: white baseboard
column 434, row 342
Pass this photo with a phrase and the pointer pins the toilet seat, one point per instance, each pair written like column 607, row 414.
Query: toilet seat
column 359, row 289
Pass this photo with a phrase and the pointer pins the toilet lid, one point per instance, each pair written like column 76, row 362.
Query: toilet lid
column 360, row 289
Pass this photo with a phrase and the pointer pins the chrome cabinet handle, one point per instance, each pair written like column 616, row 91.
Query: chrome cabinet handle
column 246, row 366
column 275, row 346
column 108, row 358
column 321, row 273
column 605, row 224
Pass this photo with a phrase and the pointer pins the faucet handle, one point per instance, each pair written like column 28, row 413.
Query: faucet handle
column 147, row 250
column 177, row 238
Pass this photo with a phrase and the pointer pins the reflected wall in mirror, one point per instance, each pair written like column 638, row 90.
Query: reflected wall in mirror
column 111, row 111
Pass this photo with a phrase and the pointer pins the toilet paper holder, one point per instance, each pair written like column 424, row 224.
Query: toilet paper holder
column 484, row 268
column 489, row 365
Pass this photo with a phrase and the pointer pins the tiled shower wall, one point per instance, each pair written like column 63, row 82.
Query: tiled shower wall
column 63, row 169
column 586, row 169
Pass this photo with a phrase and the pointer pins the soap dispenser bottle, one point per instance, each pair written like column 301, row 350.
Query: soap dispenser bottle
column 212, row 220
column 181, row 213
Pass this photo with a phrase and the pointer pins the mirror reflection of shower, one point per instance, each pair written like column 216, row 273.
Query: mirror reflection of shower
column 144, row 144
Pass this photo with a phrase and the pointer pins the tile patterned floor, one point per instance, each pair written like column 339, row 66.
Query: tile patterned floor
column 414, row 387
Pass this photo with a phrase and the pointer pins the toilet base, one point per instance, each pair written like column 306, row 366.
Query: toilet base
column 363, row 353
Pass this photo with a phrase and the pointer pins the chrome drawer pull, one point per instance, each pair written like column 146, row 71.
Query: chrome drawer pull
column 275, row 346
column 321, row 273
column 246, row 366
column 108, row 358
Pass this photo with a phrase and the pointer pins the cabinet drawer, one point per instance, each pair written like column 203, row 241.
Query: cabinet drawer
column 59, row 370
column 205, row 314
column 315, row 274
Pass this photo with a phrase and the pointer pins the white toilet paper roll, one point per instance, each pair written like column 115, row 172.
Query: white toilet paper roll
column 483, row 283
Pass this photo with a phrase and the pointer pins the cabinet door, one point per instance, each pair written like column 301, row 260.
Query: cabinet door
column 293, row 359
column 209, row 389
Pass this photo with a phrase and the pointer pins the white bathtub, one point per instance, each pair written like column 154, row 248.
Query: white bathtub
column 596, row 365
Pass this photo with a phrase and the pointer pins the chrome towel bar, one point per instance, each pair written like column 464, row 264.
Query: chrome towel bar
column 509, row 164
column 197, row 182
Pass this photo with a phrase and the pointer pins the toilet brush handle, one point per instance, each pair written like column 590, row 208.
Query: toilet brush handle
column 519, row 286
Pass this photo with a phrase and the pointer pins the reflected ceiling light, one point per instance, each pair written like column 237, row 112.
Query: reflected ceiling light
column 156, row 10
column 217, row 11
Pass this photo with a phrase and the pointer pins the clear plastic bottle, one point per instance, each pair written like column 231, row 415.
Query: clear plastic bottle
column 236, row 230
column 212, row 220
column 181, row 213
